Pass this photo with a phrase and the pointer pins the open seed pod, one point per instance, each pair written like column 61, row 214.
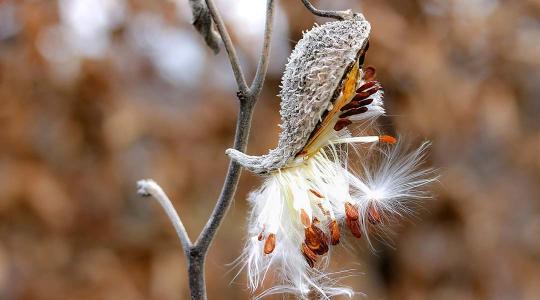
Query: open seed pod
column 324, row 61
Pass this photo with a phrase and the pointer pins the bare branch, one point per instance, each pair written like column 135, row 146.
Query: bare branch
column 147, row 188
column 231, row 181
column 204, row 25
column 262, row 66
column 196, row 253
column 339, row 14
column 243, row 126
column 235, row 63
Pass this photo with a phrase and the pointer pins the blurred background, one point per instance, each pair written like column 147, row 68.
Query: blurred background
column 96, row 94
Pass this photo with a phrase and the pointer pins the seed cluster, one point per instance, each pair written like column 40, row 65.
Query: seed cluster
column 359, row 104
column 316, row 241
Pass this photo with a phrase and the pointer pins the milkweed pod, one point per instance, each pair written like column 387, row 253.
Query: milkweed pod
column 313, row 80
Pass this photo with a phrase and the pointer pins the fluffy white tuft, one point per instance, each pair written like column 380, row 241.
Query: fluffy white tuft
column 275, row 210
column 392, row 179
column 321, row 187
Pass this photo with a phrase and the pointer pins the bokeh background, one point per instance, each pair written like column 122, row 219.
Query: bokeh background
column 96, row 94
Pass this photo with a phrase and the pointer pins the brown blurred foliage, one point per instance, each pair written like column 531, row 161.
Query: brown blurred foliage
column 86, row 112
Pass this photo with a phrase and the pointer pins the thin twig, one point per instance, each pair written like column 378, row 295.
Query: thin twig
column 235, row 63
column 262, row 66
column 230, row 184
column 148, row 188
column 335, row 14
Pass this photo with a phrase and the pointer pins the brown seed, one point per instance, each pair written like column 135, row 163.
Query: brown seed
column 342, row 124
column 304, row 218
column 373, row 215
column 366, row 86
column 314, row 192
column 354, row 111
column 356, row 104
column 354, row 227
column 364, row 95
column 311, row 238
column 323, row 240
column 334, row 232
column 310, row 257
column 260, row 237
column 316, row 240
column 351, row 212
column 270, row 243
column 351, row 219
